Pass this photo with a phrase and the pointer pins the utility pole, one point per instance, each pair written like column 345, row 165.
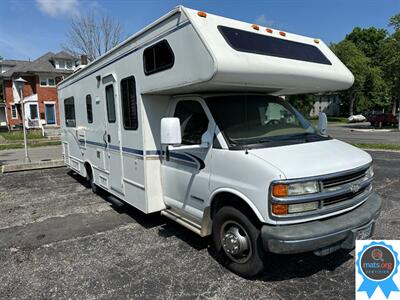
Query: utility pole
column 20, row 85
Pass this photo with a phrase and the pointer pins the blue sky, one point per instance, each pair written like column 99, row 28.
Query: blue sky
column 29, row 28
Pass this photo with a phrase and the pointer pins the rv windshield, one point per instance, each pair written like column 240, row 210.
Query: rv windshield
column 260, row 120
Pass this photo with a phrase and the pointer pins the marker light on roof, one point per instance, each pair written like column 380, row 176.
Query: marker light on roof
column 269, row 30
column 282, row 33
column 255, row 27
column 316, row 41
column 202, row 14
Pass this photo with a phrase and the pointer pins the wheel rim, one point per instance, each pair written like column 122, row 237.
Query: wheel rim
column 236, row 242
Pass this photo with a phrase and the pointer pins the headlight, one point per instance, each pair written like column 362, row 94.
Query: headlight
column 302, row 207
column 295, row 189
column 370, row 172
column 284, row 209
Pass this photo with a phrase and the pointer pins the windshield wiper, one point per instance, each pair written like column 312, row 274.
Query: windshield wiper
column 265, row 141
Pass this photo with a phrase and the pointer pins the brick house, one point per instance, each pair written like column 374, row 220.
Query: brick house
column 39, row 92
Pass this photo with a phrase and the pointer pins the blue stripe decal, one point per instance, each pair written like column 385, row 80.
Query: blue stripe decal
column 123, row 55
column 131, row 150
column 153, row 152
column 185, row 157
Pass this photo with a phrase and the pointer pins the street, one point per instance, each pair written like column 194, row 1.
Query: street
column 59, row 240
column 356, row 133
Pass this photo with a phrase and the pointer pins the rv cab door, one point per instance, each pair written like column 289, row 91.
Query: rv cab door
column 186, row 173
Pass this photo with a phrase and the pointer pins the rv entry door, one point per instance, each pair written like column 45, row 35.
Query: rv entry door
column 187, row 172
column 112, row 139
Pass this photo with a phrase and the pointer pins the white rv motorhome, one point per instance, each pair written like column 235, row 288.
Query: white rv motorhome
column 185, row 118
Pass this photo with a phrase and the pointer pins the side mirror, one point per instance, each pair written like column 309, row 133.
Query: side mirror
column 171, row 131
column 322, row 123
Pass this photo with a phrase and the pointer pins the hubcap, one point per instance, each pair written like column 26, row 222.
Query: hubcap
column 235, row 242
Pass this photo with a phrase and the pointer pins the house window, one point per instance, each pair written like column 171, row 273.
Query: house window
column 89, row 110
column 69, row 65
column 61, row 64
column 69, row 107
column 110, row 103
column 129, row 104
column 47, row 81
column 14, row 113
column 158, row 57
column 33, row 111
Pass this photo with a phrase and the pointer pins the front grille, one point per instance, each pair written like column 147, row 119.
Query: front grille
column 344, row 197
column 335, row 181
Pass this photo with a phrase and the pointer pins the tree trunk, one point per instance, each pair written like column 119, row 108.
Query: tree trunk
column 351, row 108
column 394, row 107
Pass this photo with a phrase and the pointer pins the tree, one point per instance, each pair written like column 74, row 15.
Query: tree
column 391, row 61
column 303, row 103
column 93, row 35
column 368, row 40
column 356, row 61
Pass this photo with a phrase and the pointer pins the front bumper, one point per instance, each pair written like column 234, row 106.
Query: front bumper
column 334, row 233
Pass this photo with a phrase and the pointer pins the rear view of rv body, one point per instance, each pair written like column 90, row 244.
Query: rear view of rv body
column 183, row 118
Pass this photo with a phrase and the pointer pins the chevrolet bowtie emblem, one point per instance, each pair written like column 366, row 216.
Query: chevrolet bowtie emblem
column 355, row 188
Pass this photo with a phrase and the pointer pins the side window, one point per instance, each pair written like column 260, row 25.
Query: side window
column 194, row 121
column 129, row 103
column 110, row 103
column 89, row 110
column 157, row 58
column 69, row 108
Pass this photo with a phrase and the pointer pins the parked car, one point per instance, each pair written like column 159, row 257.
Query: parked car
column 386, row 119
column 356, row 119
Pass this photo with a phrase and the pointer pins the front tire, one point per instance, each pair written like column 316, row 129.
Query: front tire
column 238, row 242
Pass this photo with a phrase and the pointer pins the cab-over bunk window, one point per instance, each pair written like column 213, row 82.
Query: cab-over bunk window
column 157, row 58
column 129, row 103
column 69, row 109
column 245, row 41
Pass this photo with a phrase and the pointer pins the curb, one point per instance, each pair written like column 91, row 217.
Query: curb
column 33, row 166
column 380, row 150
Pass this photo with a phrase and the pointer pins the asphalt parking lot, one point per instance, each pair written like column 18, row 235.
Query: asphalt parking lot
column 58, row 240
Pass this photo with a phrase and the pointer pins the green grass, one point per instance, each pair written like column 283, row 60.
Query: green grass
column 378, row 146
column 19, row 145
column 19, row 135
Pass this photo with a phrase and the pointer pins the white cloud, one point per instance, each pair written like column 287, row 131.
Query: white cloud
column 55, row 8
column 262, row 20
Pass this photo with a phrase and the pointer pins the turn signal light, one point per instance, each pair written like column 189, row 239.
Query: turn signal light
column 202, row 14
column 280, row 209
column 280, row 190
column 255, row 27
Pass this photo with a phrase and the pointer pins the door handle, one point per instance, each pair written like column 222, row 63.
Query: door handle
column 109, row 138
column 104, row 138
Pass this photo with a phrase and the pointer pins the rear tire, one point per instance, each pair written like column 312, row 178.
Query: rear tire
column 90, row 179
column 238, row 242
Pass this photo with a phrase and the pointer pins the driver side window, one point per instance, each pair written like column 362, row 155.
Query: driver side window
column 194, row 121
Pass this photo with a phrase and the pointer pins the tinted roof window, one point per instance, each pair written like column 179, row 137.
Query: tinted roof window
column 157, row 58
column 245, row 41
